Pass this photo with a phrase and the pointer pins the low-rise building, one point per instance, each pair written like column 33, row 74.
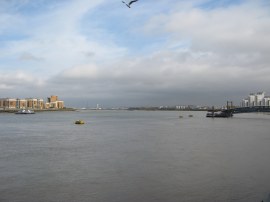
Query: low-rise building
column 54, row 103
column 21, row 103
column 8, row 103
column 30, row 103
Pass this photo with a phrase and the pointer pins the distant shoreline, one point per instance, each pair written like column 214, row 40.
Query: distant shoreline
column 37, row 110
column 141, row 109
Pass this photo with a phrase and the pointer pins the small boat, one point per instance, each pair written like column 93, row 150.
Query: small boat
column 79, row 122
column 25, row 111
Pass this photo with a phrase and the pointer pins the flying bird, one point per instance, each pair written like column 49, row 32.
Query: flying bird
column 131, row 2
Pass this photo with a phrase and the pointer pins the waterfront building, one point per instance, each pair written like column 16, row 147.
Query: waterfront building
column 259, row 98
column 2, row 103
column 21, row 103
column 33, row 103
column 40, row 103
column 245, row 103
column 30, row 103
column 181, row 107
column 266, row 101
column 7, row 103
column 54, row 103
column 52, row 99
column 256, row 99
column 251, row 100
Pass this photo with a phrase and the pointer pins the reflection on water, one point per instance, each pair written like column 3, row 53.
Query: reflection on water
column 134, row 156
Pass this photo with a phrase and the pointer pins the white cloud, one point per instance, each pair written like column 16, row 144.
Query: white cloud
column 5, row 87
column 56, row 38
column 29, row 56
column 80, row 72
column 239, row 28
column 205, row 52
column 13, row 80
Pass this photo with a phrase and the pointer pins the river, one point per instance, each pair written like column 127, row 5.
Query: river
column 134, row 156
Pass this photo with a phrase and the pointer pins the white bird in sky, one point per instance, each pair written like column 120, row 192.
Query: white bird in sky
column 131, row 2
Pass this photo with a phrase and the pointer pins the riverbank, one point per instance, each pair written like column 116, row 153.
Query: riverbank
column 37, row 110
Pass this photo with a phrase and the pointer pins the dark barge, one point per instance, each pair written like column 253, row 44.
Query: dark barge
column 219, row 114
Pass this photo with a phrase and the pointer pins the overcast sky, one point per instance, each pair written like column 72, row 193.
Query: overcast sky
column 159, row 52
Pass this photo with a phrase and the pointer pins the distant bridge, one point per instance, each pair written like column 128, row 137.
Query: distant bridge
column 224, row 113
column 239, row 110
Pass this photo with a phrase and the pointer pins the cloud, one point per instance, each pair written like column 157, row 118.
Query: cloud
column 55, row 37
column 80, row 72
column 29, row 56
column 194, row 52
column 89, row 54
column 241, row 28
column 161, row 75
column 14, row 80
column 5, row 87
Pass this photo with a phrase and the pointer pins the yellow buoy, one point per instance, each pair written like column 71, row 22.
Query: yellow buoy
column 79, row 122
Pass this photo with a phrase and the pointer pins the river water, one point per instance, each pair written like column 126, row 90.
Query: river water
column 134, row 156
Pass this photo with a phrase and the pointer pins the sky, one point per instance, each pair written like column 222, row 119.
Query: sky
column 156, row 53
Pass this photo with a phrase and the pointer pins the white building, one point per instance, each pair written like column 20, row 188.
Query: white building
column 251, row 100
column 259, row 98
column 256, row 99
column 266, row 101
column 245, row 103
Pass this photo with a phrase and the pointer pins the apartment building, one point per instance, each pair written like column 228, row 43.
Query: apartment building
column 266, row 101
column 8, row 103
column 21, row 103
column 12, row 103
column 53, row 102
column 31, row 103
column 256, row 99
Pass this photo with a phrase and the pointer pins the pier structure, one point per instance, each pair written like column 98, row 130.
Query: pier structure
column 231, row 110
column 239, row 110
column 255, row 102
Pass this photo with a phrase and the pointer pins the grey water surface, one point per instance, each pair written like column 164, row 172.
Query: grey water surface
column 134, row 156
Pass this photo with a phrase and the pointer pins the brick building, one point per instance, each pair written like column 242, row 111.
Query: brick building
column 31, row 103
column 53, row 102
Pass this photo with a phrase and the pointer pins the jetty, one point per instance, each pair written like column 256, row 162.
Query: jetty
column 230, row 110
